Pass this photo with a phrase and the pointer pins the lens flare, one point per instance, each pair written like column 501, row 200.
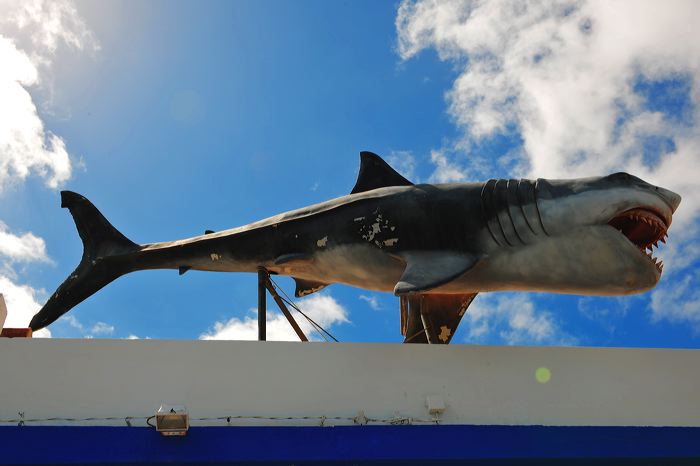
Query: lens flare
column 542, row 375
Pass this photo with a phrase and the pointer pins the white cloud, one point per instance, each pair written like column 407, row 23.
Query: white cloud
column 404, row 162
column 512, row 318
column 682, row 249
column 567, row 78
column 21, row 299
column 136, row 337
column 47, row 23
column 72, row 321
column 562, row 74
column 445, row 170
column 322, row 308
column 25, row 145
column 372, row 301
column 21, row 302
column 101, row 328
column 30, row 32
column 24, row 248
column 679, row 302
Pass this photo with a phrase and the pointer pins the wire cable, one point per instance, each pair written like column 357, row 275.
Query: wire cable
column 318, row 327
column 323, row 332
column 361, row 419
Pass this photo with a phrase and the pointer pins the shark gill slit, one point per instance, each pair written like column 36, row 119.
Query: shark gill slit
column 510, row 183
column 498, row 208
column 521, row 203
column 486, row 209
column 516, row 220
column 505, row 218
column 530, row 206
column 537, row 207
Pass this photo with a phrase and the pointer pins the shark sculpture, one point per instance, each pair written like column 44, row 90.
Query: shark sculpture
column 434, row 246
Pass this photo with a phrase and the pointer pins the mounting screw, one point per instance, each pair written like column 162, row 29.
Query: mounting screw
column 360, row 419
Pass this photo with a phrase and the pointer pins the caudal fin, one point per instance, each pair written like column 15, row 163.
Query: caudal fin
column 100, row 241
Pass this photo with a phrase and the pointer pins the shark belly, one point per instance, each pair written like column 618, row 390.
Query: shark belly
column 359, row 265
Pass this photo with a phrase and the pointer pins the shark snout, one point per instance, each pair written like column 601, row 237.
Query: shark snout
column 671, row 198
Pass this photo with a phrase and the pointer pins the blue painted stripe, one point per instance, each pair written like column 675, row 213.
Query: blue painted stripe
column 448, row 443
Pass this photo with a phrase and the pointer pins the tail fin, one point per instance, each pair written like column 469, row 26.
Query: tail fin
column 100, row 241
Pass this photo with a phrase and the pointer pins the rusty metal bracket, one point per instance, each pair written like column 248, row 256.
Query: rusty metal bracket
column 263, row 276
column 264, row 282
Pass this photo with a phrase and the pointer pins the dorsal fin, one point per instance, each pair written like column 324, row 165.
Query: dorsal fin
column 376, row 173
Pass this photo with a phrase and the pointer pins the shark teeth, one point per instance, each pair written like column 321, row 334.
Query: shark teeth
column 644, row 228
column 657, row 262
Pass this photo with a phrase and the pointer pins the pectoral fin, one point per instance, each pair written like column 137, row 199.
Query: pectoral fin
column 432, row 318
column 426, row 270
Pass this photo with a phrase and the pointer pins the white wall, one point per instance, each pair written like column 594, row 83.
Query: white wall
column 480, row 384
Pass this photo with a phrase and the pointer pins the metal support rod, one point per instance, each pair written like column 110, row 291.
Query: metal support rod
column 285, row 311
column 428, row 326
column 403, row 307
column 262, row 305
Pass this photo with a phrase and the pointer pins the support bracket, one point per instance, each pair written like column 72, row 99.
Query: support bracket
column 264, row 283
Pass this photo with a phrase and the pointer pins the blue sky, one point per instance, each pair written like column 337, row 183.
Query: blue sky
column 183, row 116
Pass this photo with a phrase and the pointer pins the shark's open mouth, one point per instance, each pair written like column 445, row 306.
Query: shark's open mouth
column 644, row 228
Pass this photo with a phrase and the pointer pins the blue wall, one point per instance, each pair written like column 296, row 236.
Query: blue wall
column 359, row 444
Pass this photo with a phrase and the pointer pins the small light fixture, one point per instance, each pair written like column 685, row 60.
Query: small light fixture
column 172, row 420
column 435, row 405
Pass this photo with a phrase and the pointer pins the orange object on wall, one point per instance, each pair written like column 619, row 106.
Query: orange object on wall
column 16, row 333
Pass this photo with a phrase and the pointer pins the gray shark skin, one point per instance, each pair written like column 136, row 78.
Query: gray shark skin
column 435, row 246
